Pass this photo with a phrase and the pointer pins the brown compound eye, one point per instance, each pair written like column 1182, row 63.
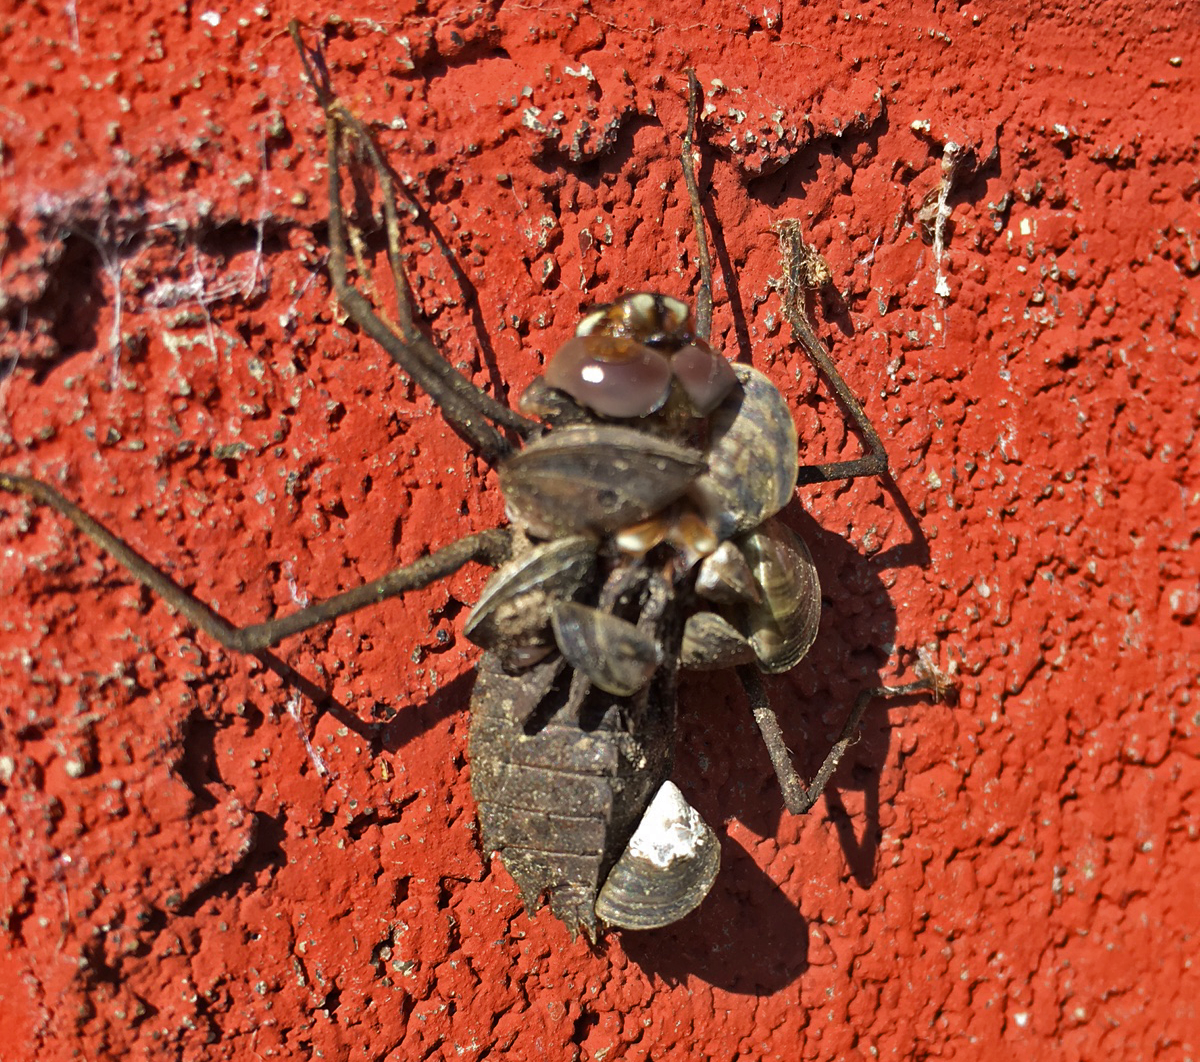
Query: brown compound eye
column 614, row 376
column 705, row 375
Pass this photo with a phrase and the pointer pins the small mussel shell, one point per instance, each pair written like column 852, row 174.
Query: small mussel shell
column 519, row 596
column 753, row 457
column 667, row 868
column 598, row 478
column 616, row 656
column 712, row 643
column 783, row 626
column 725, row 576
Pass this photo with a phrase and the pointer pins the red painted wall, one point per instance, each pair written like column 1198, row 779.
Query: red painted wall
column 1013, row 874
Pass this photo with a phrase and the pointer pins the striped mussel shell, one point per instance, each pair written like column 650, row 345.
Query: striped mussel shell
column 771, row 620
column 596, row 478
column 519, row 598
column 752, row 457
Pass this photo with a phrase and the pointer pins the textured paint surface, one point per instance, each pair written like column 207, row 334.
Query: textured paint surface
column 1013, row 874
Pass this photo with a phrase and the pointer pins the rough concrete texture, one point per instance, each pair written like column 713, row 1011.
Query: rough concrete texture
column 1009, row 875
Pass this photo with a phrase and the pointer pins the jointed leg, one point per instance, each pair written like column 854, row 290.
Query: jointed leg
column 799, row 265
column 467, row 408
column 486, row 547
column 470, row 411
column 798, row 260
column 704, row 291
column 797, row 796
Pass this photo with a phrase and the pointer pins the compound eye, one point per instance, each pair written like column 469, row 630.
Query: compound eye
column 705, row 375
column 614, row 376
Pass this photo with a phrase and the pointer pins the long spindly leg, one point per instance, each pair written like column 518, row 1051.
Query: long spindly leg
column 703, row 258
column 797, row 796
column 800, row 268
column 469, row 410
column 487, row 547
column 803, row 271
column 798, row 280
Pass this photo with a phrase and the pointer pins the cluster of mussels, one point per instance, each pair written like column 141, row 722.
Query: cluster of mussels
column 646, row 542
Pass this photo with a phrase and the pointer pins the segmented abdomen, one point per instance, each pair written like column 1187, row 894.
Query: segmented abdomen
column 560, row 788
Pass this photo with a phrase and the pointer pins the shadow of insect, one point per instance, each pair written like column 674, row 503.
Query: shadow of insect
column 642, row 474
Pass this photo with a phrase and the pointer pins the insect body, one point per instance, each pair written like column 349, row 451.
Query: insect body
column 643, row 538
column 654, row 552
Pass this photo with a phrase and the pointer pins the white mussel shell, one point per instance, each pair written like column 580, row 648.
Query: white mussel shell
column 667, row 868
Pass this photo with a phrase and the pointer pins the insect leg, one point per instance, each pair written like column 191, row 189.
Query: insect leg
column 799, row 265
column 486, row 547
column 469, row 410
column 797, row 796
column 704, row 291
